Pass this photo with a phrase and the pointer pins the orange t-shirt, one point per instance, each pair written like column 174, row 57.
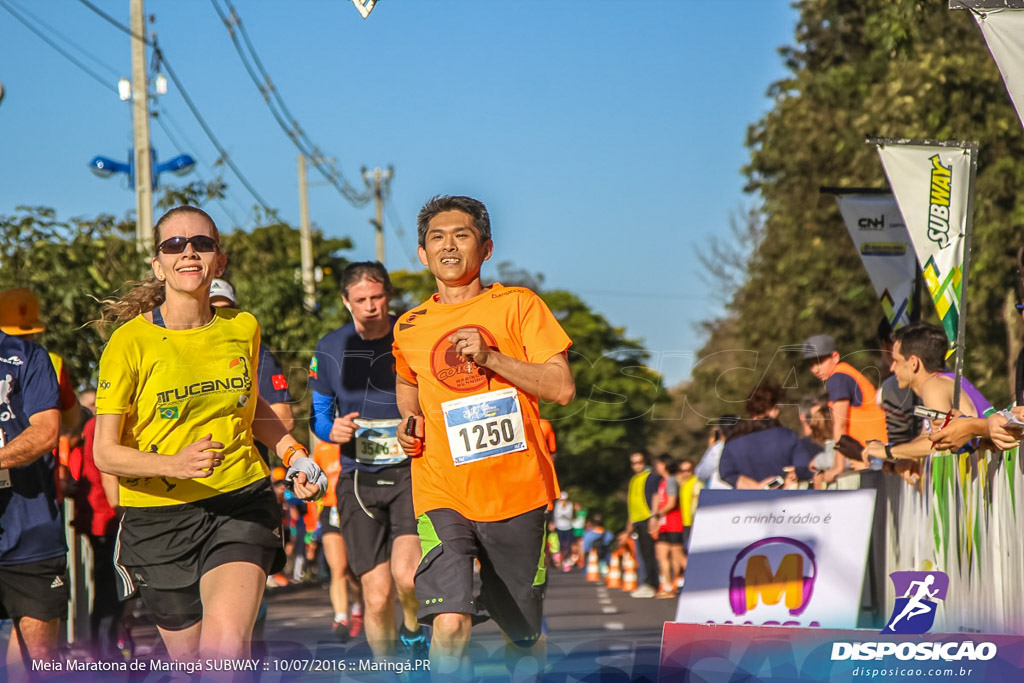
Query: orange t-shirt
column 488, row 485
column 867, row 421
column 548, row 433
column 328, row 456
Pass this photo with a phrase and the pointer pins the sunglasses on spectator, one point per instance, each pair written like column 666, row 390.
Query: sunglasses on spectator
column 203, row 244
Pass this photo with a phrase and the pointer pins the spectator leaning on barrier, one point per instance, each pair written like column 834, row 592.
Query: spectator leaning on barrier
column 919, row 362
column 851, row 398
column 901, row 425
column 760, row 448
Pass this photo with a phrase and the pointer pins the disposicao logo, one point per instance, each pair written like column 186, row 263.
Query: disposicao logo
column 752, row 580
column 914, row 614
column 914, row 611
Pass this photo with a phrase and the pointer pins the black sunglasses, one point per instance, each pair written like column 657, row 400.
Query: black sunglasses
column 176, row 245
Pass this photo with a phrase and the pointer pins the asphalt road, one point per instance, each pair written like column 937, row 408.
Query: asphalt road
column 594, row 633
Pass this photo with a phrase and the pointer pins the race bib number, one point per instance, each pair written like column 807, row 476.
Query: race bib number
column 377, row 442
column 484, row 426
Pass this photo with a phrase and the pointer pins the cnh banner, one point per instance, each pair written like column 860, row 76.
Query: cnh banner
column 877, row 230
column 932, row 185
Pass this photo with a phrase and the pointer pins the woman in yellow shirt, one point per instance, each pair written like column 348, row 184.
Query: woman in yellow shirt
column 178, row 410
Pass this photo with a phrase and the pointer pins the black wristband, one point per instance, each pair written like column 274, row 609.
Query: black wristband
column 888, row 452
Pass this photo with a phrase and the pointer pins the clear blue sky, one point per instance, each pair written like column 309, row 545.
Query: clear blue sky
column 605, row 137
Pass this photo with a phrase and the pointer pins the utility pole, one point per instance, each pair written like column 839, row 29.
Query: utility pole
column 140, row 119
column 306, row 240
column 379, row 181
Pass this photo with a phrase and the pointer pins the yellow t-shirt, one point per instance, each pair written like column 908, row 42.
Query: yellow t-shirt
column 686, row 502
column 176, row 386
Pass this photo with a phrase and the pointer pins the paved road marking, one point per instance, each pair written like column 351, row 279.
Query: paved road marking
column 609, row 610
column 614, row 626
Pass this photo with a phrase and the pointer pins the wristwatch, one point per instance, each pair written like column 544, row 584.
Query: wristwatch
column 888, row 452
column 289, row 453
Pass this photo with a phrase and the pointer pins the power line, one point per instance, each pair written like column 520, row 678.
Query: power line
column 115, row 22
column 115, row 74
column 279, row 110
column 162, row 59
column 389, row 206
column 106, row 83
column 163, row 125
column 164, row 119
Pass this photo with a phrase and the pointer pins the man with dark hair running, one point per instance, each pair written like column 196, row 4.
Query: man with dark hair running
column 473, row 363
column 352, row 375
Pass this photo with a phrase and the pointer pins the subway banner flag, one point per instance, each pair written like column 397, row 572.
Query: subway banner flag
column 877, row 230
column 931, row 184
column 1003, row 29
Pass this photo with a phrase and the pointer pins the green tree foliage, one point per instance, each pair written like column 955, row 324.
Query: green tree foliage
column 885, row 68
column 70, row 266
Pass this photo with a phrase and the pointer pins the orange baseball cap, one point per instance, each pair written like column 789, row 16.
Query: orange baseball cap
column 19, row 312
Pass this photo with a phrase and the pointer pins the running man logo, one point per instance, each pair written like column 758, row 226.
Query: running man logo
column 791, row 583
column 938, row 202
column 914, row 612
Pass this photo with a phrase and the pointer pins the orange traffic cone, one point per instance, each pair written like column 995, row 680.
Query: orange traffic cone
column 629, row 578
column 593, row 571
column 614, row 578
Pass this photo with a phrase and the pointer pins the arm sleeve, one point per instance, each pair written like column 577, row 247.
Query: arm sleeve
column 672, row 487
column 709, row 463
column 40, row 386
column 728, row 469
column 800, row 458
column 402, row 367
column 118, row 377
column 543, row 337
column 321, row 417
column 842, row 387
column 273, row 383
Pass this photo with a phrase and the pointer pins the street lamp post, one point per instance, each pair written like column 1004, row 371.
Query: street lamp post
column 105, row 167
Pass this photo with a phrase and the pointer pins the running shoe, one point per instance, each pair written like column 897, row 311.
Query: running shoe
column 355, row 624
column 341, row 631
column 643, row 591
column 414, row 644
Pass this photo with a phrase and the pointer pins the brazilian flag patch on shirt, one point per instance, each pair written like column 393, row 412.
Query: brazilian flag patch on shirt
column 169, row 413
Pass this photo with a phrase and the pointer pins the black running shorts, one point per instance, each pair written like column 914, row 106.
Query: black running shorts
column 163, row 552
column 512, row 571
column 38, row 590
column 387, row 496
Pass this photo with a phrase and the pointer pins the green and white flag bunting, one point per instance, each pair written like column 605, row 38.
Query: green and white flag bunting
column 931, row 184
column 877, row 230
column 1004, row 32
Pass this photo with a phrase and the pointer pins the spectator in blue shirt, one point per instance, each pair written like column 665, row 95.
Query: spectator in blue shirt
column 760, row 448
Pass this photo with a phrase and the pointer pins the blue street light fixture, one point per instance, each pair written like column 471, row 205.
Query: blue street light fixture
column 104, row 167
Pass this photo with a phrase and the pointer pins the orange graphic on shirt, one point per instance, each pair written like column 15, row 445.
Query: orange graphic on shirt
column 452, row 370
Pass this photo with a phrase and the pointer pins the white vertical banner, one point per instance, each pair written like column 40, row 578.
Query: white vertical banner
column 932, row 185
column 1004, row 32
column 881, row 238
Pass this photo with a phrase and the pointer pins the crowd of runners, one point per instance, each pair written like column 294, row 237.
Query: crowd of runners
column 431, row 462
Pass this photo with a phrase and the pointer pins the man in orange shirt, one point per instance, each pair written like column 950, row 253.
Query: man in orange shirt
column 851, row 398
column 473, row 363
